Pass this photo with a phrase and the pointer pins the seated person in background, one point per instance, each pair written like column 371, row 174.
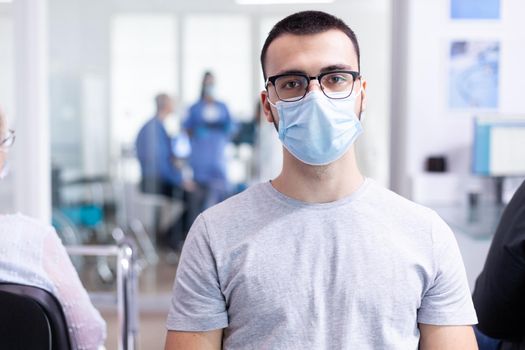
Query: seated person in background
column 499, row 296
column 159, row 173
column 32, row 254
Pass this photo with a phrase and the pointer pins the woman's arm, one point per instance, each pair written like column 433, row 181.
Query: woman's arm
column 86, row 326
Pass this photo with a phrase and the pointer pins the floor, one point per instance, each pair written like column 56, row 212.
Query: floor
column 152, row 332
column 155, row 284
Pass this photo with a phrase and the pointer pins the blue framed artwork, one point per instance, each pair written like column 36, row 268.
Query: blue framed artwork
column 475, row 9
column 474, row 75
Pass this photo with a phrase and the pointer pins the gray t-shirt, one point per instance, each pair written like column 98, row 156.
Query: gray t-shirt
column 357, row 273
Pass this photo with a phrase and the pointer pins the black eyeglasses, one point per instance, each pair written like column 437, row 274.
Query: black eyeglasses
column 291, row 87
column 7, row 141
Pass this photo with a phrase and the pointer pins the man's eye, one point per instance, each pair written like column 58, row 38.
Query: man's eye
column 337, row 79
column 291, row 84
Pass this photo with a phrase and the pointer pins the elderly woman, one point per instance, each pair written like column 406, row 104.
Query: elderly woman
column 31, row 253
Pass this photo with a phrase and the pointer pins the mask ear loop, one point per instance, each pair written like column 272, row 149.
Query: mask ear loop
column 361, row 101
column 271, row 113
column 274, row 122
column 360, row 109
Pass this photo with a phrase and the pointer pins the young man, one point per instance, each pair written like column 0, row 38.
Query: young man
column 319, row 258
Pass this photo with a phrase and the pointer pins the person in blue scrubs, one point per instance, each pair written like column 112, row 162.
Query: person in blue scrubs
column 210, row 127
column 160, row 175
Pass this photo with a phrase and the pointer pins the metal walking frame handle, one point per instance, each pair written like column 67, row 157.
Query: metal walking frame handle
column 126, row 288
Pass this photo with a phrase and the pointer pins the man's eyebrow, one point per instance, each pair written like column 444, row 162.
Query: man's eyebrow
column 336, row 67
column 323, row 70
column 290, row 71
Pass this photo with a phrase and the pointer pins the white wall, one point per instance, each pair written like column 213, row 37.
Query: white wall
column 371, row 22
column 143, row 63
column 79, row 81
column 433, row 128
column 6, row 63
column 31, row 166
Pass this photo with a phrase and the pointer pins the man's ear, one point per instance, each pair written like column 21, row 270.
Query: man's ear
column 363, row 96
column 266, row 107
column 361, row 106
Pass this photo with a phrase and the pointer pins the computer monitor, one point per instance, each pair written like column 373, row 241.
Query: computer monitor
column 499, row 146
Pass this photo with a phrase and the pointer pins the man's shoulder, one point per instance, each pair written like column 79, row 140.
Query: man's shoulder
column 390, row 203
column 389, row 196
column 239, row 213
column 243, row 202
column 222, row 104
column 406, row 219
column 150, row 123
column 197, row 105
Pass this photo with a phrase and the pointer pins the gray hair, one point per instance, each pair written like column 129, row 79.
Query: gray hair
column 161, row 100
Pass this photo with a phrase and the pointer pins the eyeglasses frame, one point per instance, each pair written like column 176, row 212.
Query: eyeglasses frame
column 355, row 75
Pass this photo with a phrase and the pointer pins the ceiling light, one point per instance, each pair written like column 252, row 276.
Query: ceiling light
column 280, row 2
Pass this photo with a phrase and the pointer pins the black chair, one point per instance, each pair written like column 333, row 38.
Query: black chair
column 31, row 318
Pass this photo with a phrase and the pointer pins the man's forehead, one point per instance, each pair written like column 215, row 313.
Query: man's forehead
column 330, row 48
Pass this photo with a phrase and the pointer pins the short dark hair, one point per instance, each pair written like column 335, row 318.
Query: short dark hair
column 307, row 23
column 206, row 75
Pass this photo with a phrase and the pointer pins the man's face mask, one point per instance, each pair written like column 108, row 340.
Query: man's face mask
column 210, row 91
column 318, row 130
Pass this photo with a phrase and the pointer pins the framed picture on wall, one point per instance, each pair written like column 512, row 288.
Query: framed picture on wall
column 474, row 75
column 474, row 9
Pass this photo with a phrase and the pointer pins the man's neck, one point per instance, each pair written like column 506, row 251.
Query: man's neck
column 162, row 115
column 319, row 184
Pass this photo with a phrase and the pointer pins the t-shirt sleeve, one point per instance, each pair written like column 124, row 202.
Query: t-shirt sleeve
column 447, row 300
column 197, row 301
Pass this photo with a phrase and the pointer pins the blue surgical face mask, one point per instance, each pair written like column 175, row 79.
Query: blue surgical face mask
column 318, row 130
column 210, row 91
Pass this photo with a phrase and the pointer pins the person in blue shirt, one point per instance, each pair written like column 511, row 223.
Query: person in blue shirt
column 210, row 127
column 160, row 175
